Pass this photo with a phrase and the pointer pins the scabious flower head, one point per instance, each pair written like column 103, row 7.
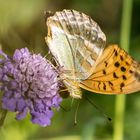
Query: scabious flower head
column 29, row 84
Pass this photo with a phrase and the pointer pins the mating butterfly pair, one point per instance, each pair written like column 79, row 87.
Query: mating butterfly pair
column 78, row 45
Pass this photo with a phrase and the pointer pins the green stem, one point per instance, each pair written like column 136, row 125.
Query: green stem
column 126, row 24
column 124, row 43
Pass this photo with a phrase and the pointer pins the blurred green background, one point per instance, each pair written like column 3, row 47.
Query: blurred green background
column 22, row 24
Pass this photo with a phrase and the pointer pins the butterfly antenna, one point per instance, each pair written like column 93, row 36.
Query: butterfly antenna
column 76, row 112
column 99, row 109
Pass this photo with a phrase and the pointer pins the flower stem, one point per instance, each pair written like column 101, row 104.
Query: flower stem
column 124, row 43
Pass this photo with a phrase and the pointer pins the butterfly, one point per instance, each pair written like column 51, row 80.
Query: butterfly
column 79, row 46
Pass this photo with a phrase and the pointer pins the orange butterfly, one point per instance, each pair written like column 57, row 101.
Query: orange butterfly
column 78, row 44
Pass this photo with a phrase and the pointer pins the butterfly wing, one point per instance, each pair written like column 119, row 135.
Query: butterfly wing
column 115, row 72
column 76, row 41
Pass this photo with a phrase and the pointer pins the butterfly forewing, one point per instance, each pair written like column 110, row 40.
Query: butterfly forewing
column 75, row 40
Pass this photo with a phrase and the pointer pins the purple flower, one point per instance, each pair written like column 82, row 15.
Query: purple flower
column 29, row 83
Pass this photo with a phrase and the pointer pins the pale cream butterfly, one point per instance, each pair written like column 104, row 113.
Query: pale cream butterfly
column 78, row 45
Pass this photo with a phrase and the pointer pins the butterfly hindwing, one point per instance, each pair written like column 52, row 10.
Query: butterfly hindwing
column 115, row 72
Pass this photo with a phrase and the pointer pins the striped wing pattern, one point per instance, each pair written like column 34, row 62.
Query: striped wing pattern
column 84, row 38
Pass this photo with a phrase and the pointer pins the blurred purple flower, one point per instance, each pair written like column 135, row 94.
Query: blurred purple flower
column 29, row 83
